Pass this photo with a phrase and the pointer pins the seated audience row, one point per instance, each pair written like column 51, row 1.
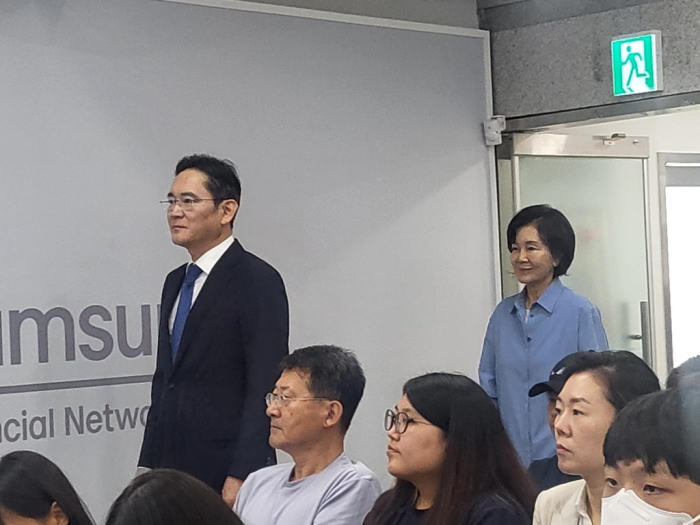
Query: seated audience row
column 448, row 450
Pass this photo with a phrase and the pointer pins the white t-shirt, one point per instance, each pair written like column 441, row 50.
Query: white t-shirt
column 341, row 494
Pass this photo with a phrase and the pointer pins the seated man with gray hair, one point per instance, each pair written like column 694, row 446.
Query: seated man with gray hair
column 310, row 411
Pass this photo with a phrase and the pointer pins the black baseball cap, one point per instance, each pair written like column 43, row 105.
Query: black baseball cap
column 558, row 376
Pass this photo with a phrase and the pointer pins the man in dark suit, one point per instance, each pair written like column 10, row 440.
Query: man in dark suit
column 224, row 327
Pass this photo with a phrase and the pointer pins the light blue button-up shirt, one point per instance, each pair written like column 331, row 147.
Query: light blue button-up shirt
column 520, row 352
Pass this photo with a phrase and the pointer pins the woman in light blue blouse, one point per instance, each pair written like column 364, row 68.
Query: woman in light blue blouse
column 531, row 331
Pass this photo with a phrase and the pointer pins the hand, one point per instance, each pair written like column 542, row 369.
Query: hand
column 230, row 490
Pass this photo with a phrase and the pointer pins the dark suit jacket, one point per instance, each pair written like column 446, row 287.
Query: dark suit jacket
column 207, row 415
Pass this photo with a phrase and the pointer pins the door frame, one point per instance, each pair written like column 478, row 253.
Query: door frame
column 666, row 179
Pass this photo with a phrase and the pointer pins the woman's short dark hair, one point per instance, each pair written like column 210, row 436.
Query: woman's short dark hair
column 479, row 457
column 169, row 497
column 333, row 373
column 663, row 426
column 623, row 375
column 31, row 483
column 554, row 229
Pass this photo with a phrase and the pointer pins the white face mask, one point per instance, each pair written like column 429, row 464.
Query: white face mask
column 626, row 508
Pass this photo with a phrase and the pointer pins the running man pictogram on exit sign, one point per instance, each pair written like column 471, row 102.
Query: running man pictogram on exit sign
column 636, row 64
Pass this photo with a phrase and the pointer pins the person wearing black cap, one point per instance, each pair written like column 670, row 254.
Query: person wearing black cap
column 546, row 471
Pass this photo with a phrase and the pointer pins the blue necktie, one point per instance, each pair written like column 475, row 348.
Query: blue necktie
column 183, row 307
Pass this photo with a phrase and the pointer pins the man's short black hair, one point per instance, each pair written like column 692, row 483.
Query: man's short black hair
column 222, row 179
column 554, row 229
column 664, row 426
column 687, row 373
column 333, row 373
column 623, row 375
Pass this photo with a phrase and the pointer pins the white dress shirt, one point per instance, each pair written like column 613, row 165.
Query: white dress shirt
column 206, row 262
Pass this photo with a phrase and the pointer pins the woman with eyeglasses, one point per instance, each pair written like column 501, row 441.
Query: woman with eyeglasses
column 452, row 459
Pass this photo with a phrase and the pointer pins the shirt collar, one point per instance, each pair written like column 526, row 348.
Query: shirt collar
column 207, row 261
column 582, row 504
column 548, row 299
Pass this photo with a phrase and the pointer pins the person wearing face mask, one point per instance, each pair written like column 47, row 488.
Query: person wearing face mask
column 530, row 331
column 596, row 389
column 652, row 461
column 34, row 491
column 452, row 459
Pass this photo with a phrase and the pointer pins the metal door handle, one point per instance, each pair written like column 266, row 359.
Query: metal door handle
column 646, row 332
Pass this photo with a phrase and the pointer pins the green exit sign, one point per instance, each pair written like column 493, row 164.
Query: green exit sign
column 636, row 64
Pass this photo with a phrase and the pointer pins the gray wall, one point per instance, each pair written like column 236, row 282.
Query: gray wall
column 366, row 183
column 554, row 55
column 461, row 13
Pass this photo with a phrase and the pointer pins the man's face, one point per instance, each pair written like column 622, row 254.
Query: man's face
column 299, row 424
column 203, row 224
column 659, row 488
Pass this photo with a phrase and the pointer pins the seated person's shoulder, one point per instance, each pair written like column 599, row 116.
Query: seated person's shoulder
column 546, row 474
column 351, row 472
column 359, row 470
column 497, row 509
column 540, row 466
column 554, row 499
column 267, row 476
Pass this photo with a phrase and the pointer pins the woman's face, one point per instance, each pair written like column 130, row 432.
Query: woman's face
column 531, row 259
column 584, row 416
column 419, row 452
column 659, row 488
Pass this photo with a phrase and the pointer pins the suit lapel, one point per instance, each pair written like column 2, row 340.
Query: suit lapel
column 170, row 291
column 211, row 291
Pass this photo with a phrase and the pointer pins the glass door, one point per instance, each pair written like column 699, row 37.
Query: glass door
column 599, row 183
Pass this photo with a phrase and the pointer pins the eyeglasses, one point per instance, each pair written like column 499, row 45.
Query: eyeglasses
column 399, row 421
column 185, row 203
column 280, row 400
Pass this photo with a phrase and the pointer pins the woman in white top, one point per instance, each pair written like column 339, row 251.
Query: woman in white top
column 597, row 387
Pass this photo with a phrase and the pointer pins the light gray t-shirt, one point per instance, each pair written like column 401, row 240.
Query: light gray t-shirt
column 341, row 494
